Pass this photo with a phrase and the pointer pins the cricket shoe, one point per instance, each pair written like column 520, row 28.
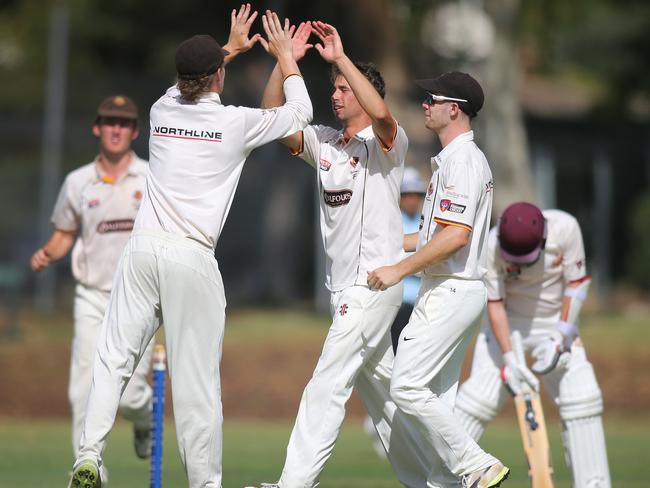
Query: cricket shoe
column 486, row 478
column 142, row 441
column 86, row 475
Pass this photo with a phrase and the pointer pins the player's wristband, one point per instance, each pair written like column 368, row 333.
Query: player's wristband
column 569, row 332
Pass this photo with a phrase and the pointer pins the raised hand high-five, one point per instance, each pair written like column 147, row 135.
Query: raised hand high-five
column 331, row 49
column 278, row 42
column 300, row 40
column 240, row 26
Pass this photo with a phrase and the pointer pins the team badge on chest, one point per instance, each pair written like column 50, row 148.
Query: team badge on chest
column 325, row 165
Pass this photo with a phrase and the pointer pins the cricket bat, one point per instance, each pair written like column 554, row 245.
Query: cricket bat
column 532, row 428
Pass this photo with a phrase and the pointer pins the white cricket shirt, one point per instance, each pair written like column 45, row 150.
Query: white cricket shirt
column 197, row 152
column 359, row 188
column 459, row 194
column 537, row 291
column 102, row 212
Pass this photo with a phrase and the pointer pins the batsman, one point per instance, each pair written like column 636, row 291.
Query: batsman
column 537, row 282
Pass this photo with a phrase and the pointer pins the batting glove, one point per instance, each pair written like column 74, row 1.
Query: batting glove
column 547, row 354
column 517, row 377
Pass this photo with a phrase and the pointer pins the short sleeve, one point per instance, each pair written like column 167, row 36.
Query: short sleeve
column 494, row 281
column 573, row 252
column 312, row 138
column 458, row 196
column 67, row 214
column 396, row 153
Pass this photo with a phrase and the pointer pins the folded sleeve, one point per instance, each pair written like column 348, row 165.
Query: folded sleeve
column 396, row 152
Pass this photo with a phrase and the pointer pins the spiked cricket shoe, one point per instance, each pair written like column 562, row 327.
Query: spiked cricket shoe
column 86, row 475
column 486, row 478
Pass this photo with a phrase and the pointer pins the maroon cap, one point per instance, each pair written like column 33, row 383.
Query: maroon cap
column 522, row 233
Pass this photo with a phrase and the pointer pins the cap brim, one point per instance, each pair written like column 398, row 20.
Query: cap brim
column 116, row 114
column 430, row 85
column 529, row 258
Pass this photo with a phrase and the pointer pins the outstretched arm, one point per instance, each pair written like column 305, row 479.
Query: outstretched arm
column 331, row 50
column 240, row 26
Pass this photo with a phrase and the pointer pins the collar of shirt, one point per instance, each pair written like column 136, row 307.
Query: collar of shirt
column 362, row 135
column 131, row 170
column 441, row 158
column 174, row 92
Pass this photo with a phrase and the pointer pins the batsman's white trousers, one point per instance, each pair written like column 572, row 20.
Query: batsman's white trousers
column 357, row 353
column 135, row 404
column 165, row 277
column 427, row 367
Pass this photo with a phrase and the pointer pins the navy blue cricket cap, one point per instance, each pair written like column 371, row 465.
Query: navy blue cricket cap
column 455, row 84
column 198, row 56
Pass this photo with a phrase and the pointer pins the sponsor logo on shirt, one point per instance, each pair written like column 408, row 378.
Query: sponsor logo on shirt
column 421, row 222
column 354, row 161
column 447, row 204
column 93, row 203
column 325, row 165
column 183, row 133
column 343, row 309
column 489, row 186
column 122, row 225
column 337, row 198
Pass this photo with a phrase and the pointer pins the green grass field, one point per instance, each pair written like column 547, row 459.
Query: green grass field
column 37, row 454
column 36, row 451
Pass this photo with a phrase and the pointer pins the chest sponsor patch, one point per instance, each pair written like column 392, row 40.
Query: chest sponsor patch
column 448, row 205
column 93, row 203
column 337, row 198
column 325, row 165
column 121, row 225
column 354, row 161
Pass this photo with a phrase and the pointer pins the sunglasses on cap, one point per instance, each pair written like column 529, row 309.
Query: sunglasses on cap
column 432, row 99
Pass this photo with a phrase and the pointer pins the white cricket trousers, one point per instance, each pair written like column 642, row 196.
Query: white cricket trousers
column 427, row 368
column 357, row 353
column 163, row 277
column 90, row 304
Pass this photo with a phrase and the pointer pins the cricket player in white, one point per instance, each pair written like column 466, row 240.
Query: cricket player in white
column 198, row 147
column 451, row 254
column 537, row 280
column 94, row 212
column 359, row 171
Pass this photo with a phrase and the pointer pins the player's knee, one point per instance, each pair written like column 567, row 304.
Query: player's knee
column 406, row 399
